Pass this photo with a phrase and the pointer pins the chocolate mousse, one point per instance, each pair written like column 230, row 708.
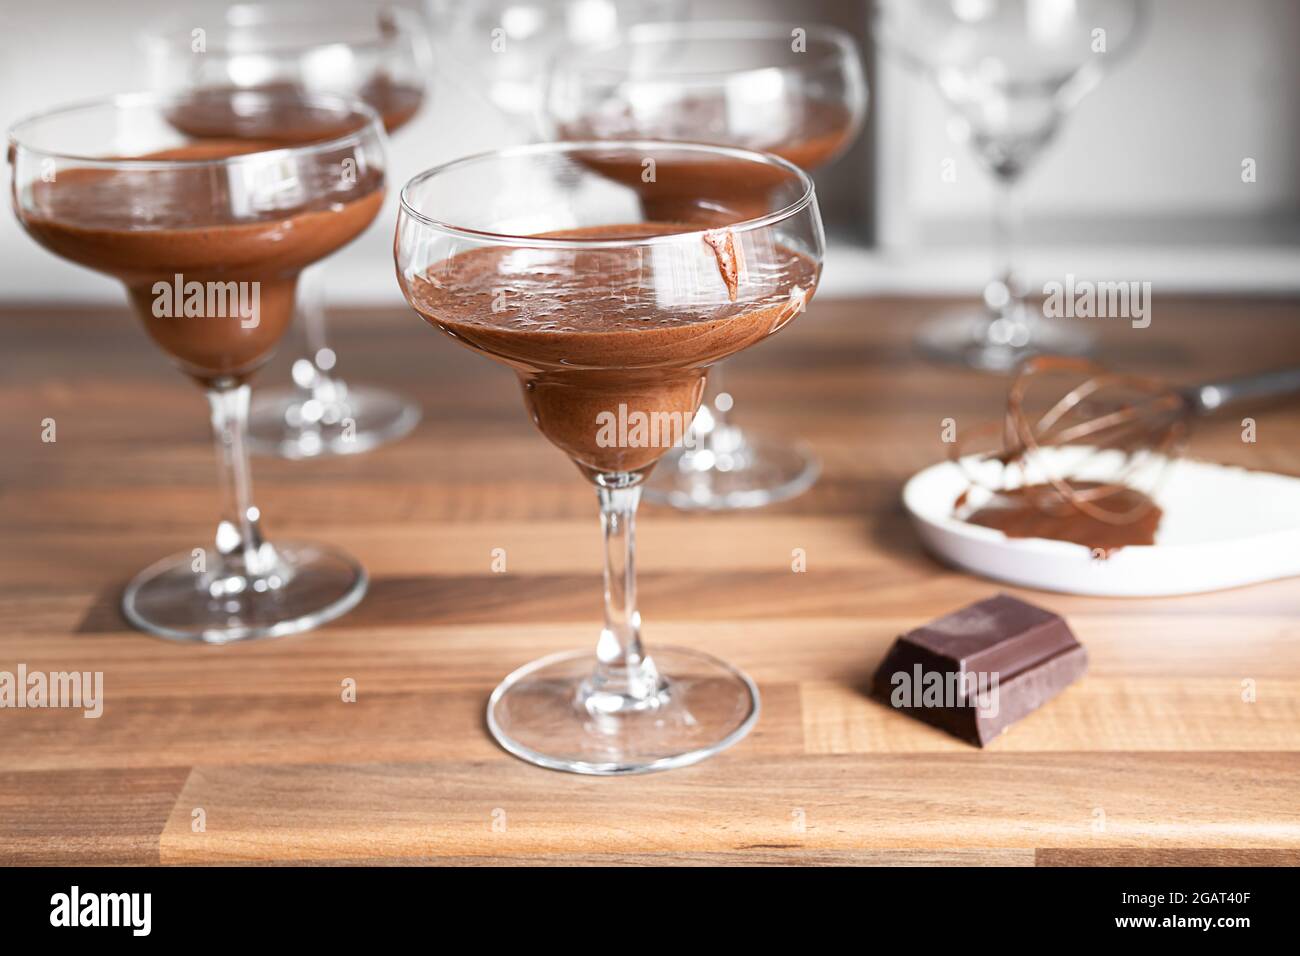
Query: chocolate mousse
column 393, row 100
column 825, row 131
column 602, row 335
column 185, row 235
column 805, row 131
column 1041, row 511
column 670, row 190
column 220, row 111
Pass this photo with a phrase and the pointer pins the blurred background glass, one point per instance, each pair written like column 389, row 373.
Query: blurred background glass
column 1010, row 71
column 374, row 50
column 794, row 89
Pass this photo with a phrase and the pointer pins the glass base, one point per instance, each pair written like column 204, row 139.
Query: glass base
column 288, row 423
column 732, row 470
column 975, row 339
column 548, row 713
column 306, row 586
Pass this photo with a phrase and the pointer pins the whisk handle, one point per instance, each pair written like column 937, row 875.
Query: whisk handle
column 1215, row 395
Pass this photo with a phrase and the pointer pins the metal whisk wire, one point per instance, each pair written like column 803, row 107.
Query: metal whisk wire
column 1155, row 424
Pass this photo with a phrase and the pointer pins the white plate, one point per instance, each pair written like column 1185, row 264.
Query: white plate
column 1222, row 527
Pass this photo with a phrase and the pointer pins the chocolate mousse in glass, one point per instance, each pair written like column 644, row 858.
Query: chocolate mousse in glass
column 208, row 234
column 536, row 258
column 793, row 90
column 373, row 50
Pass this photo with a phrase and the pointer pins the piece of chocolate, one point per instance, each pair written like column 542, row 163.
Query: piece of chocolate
column 978, row 670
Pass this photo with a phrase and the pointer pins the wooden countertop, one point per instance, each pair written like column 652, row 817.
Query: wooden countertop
column 1153, row 757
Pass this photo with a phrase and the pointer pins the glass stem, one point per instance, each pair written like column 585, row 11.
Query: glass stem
column 314, row 378
column 239, row 536
column 623, row 672
column 716, row 414
column 1005, row 294
column 709, row 426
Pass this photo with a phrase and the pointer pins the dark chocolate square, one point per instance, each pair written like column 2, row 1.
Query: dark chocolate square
column 978, row 670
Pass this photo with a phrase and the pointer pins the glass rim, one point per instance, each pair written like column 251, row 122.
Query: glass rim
column 265, row 14
column 688, row 30
column 373, row 125
column 642, row 146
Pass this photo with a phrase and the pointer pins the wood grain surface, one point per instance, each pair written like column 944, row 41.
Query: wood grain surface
column 1153, row 758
